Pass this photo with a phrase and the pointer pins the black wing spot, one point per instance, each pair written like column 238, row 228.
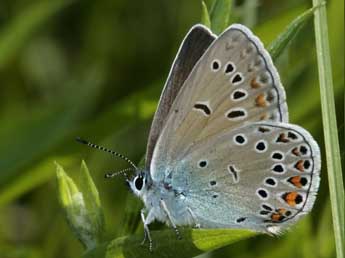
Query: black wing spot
column 266, row 207
column 234, row 172
column 292, row 136
column 288, row 213
column 234, row 114
column 277, row 155
column 239, row 220
column 304, row 181
column 306, row 164
column 299, row 199
column 203, row 107
column 271, row 181
column 215, row 65
column 229, row 68
column 263, row 129
column 240, row 139
column 202, row 163
column 213, row 182
column 237, row 78
column 260, row 146
column 263, row 193
column 303, row 150
column 239, row 95
column 278, row 168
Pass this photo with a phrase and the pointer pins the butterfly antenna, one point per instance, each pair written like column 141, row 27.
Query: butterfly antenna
column 122, row 172
column 116, row 154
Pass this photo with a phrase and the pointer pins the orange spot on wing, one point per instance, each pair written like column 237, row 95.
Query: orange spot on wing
column 282, row 138
column 295, row 151
column 299, row 165
column 296, row 181
column 260, row 100
column 292, row 198
column 254, row 84
column 281, row 211
column 275, row 217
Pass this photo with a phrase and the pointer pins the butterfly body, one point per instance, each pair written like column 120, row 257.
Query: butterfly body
column 153, row 193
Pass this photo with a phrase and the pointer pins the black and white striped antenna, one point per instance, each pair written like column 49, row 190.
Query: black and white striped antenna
column 116, row 154
column 121, row 172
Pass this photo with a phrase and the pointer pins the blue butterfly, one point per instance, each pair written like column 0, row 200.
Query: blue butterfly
column 221, row 153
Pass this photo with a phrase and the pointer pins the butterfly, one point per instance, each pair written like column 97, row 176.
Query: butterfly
column 221, row 153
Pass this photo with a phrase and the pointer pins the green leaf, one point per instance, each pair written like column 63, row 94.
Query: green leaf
column 220, row 15
column 205, row 17
column 92, row 200
column 194, row 242
column 335, row 178
column 67, row 187
column 86, row 222
column 284, row 38
column 16, row 34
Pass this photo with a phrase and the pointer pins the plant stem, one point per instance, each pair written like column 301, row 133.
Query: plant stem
column 335, row 179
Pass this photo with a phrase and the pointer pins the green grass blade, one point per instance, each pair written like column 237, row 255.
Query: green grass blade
column 220, row 15
column 330, row 130
column 194, row 242
column 16, row 34
column 250, row 13
column 205, row 17
column 281, row 42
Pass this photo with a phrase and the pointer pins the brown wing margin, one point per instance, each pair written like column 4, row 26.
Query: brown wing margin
column 194, row 45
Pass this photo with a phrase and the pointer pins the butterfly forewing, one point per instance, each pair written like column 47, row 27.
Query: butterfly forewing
column 260, row 176
column 197, row 40
column 233, row 83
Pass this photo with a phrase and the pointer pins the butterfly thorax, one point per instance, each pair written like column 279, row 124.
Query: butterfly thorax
column 154, row 193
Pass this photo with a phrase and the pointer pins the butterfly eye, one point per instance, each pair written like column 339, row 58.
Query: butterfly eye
column 139, row 182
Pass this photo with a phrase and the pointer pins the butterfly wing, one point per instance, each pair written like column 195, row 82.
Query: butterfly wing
column 233, row 83
column 263, row 176
column 197, row 40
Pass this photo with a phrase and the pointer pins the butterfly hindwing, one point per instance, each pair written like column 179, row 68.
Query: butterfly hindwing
column 233, row 83
column 262, row 176
column 197, row 40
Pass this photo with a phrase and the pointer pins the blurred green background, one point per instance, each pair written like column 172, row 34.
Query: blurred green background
column 96, row 69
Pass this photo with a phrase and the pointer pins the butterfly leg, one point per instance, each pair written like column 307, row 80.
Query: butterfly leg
column 196, row 224
column 146, row 222
column 165, row 208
